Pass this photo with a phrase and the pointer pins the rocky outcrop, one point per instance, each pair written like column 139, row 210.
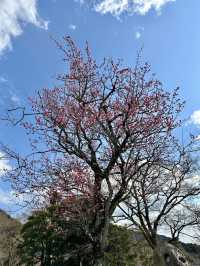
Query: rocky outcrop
column 170, row 255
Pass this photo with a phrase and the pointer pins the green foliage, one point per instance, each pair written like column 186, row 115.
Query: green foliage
column 48, row 240
column 143, row 253
column 120, row 251
column 42, row 241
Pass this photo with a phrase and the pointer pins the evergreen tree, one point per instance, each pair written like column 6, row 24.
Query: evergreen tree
column 44, row 240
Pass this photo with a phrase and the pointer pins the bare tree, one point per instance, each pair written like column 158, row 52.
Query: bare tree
column 178, row 220
column 158, row 189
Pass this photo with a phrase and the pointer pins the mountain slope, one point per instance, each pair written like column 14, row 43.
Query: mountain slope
column 9, row 230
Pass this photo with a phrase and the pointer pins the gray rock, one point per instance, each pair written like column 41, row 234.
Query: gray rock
column 171, row 255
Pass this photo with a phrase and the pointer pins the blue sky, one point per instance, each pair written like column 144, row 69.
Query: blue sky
column 168, row 31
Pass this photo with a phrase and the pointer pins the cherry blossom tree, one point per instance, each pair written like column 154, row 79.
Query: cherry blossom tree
column 92, row 136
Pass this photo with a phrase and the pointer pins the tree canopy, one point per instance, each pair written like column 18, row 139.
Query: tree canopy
column 105, row 135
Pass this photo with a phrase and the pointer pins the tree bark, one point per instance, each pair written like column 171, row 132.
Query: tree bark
column 98, row 262
column 100, row 247
column 98, row 255
column 158, row 259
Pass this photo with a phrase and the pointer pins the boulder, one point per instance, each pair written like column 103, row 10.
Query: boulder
column 173, row 256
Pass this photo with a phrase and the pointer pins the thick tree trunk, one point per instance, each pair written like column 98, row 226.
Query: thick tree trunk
column 101, row 239
column 100, row 247
column 98, row 262
column 98, row 259
column 98, row 254
column 158, row 259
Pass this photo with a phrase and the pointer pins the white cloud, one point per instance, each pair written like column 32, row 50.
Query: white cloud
column 15, row 99
column 4, row 163
column 137, row 35
column 72, row 26
column 195, row 178
column 7, row 197
column 117, row 7
column 195, row 118
column 80, row 1
column 10, row 198
column 13, row 14
column 138, row 32
column 3, row 79
column 8, row 94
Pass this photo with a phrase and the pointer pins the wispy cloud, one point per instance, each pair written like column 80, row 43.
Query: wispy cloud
column 15, row 99
column 7, row 197
column 138, row 32
column 10, row 199
column 10, row 97
column 72, row 26
column 4, row 163
column 137, row 35
column 80, row 1
column 118, row 7
column 3, row 79
column 13, row 15
column 195, row 118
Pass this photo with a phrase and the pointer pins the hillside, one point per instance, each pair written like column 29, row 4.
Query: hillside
column 9, row 229
column 192, row 251
column 140, row 252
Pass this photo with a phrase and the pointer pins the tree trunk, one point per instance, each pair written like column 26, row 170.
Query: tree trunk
column 99, row 248
column 101, row 240
column 98, row 262
column 98, row 255
column 158, row 259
